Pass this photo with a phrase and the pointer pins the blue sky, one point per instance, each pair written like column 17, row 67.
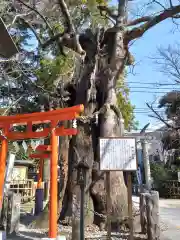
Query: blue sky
column 146, row 71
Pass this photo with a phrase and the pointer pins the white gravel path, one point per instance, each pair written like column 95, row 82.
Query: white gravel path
column 25, row 233
column 33, row 234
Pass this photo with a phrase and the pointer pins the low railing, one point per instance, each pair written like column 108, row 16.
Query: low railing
column 170, row 189
column 166, row 189
column 23, row 187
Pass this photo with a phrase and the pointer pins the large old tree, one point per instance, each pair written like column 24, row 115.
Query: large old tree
column 96, row 37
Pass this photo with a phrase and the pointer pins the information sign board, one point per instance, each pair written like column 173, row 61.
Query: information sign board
column 118, row 154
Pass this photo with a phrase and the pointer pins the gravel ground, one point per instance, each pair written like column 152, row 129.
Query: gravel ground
column 92, row 232
column 26, row 233
column 35, row 234
column 170, row 226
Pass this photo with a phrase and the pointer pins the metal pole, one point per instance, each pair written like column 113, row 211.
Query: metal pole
column 146, row 163
column 130, row 213
column 108, row 204
column 82, row 213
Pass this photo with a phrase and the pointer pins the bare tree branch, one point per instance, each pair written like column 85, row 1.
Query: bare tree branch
column 139, row 31
column 169, row 62
column 67, row 17
column 51, row 32
column 66, row 40
column 158, row 116
column 18, row 16
column 139, row 20
column 171, row 4
column 158, row 3
column 70, row 38
column 12, row 105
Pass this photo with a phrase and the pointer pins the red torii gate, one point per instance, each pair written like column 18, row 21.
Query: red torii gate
column 51, row 117
column 42, row 152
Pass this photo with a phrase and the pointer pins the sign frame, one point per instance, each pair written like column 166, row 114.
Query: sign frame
column 123, row 170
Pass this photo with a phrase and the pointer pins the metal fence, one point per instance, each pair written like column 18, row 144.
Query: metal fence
column 23, row 187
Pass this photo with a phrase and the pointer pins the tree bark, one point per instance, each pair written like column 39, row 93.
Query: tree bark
column 83, row 145
column 113, row 67
column 95, row 87
column 100, row 76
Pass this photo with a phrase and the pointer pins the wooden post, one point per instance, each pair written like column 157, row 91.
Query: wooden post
column 143, row 218
column 153, row 224
column 129, row 187
column 108, row 205
column 53, row 187
column 3, row 156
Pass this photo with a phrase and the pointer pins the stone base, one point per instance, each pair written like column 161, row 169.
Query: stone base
column 58, row 238
column 61, row 238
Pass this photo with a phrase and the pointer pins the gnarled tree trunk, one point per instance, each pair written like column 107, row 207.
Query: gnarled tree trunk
column 105, row 60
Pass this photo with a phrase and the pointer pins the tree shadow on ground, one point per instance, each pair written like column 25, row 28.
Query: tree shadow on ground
column 27, row 218
column 26, row 235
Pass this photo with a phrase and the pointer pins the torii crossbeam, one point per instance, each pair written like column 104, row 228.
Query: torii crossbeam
column 53, row 131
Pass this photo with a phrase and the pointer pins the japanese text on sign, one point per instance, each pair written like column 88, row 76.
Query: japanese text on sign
column 118, row 154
